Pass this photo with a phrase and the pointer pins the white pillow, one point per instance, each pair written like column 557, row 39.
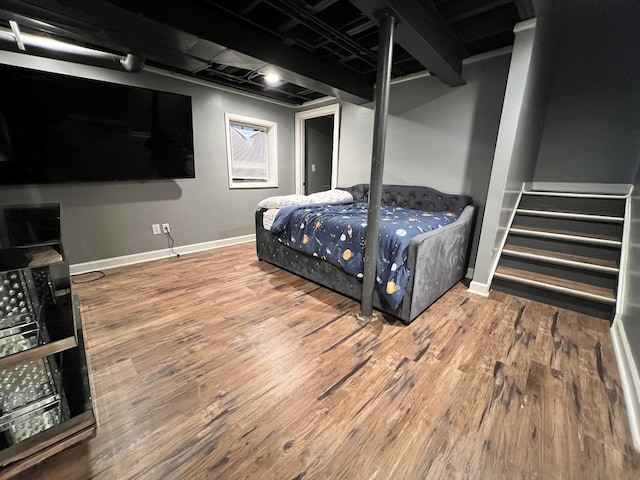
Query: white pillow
column 330, row 196
column 283, row 201
column 269, row 217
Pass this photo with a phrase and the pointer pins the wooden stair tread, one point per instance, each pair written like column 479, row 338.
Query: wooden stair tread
column 570, row 215
column 549, row 193
column 559, row 256
column 593, row 236
column 570, row 287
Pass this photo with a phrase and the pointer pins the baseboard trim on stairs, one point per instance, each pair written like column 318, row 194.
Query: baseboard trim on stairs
column 478, row 288
column 629, row 378
column 142, row 257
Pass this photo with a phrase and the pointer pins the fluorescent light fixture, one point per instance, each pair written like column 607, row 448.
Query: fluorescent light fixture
column 57, row 45
column 28, row 40
column 129, row 63
column 17, row 34
column 272, row 79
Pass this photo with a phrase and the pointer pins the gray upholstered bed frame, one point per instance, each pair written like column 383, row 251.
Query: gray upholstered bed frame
column 436, row 260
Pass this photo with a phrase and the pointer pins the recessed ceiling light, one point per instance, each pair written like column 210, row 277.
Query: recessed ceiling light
column 272, row 79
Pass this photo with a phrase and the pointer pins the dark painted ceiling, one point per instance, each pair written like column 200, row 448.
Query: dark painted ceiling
column 319, row 47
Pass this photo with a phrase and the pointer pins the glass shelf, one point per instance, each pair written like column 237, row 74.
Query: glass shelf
column 31, row 256
column 36, row 313
column 18, row 297
column 31, row 400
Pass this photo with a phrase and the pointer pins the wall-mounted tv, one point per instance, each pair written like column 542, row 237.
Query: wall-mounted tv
column 56, row 128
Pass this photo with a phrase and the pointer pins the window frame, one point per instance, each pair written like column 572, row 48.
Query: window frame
column 271, row 129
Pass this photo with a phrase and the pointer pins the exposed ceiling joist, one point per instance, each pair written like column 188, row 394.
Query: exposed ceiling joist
column 294, row 66
column 318, row 7
column 424, row 34
column 501, row 21
column 525, row 8
column 456, row 10
column 326, row 47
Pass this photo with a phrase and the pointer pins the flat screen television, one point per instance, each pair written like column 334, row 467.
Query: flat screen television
column 56, row 128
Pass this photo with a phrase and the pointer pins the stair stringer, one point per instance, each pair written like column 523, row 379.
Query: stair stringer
column 503, row 240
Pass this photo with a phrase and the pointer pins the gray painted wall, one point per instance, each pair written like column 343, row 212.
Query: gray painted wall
column 438, row 136
column 592, row 128
column 108, row 220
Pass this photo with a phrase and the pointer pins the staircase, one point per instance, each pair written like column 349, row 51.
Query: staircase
column 564, row 249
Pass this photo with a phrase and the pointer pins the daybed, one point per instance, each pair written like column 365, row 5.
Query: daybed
column 436, row 259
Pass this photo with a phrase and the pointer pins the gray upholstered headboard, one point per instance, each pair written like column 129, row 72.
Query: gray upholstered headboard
column 415, row 197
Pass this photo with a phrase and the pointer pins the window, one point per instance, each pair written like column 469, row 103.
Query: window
column 251, row 152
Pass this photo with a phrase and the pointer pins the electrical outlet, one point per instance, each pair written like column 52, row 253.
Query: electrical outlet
column 165, row 228
column 155, row 228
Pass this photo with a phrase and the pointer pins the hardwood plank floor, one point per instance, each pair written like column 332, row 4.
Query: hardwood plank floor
column 216, row 365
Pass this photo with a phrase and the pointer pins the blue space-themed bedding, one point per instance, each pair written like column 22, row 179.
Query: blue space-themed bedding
column 336, row 233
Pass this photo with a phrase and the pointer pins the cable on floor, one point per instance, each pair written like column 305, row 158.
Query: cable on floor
column 100, row 273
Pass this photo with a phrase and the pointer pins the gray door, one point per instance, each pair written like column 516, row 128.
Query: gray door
column 318, row 154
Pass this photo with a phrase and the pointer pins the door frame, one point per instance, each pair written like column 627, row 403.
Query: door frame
column 300, row 140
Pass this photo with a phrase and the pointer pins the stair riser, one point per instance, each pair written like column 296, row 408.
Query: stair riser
column 587, row 250
column 574, row 226
column 594, row 206
column 559, row 271
column 587, row 307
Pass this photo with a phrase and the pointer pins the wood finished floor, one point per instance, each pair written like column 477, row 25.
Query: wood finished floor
column 216, row 365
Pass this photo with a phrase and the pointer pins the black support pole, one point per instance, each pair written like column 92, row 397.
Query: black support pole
column 383, row 80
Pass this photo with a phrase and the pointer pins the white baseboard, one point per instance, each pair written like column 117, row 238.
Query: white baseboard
column 628, row 377
column 479, row 288
column 115, row 262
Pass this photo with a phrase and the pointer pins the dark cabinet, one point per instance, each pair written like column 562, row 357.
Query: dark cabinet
column 45, row 397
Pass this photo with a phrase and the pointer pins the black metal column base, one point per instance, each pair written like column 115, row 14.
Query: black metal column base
column 367, row 319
